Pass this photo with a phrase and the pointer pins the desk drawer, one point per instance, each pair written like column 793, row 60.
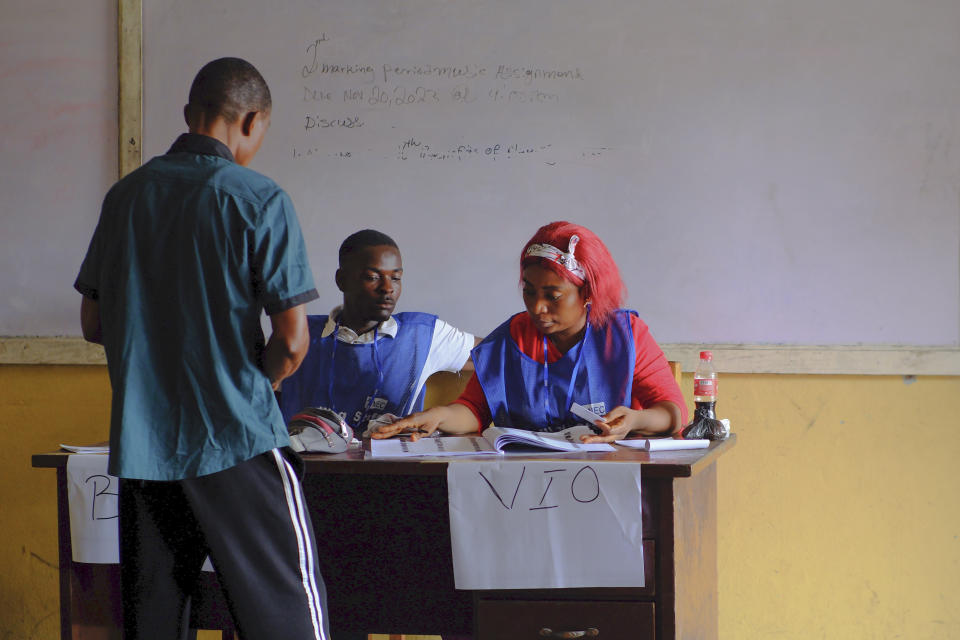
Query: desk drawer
column 526, row 620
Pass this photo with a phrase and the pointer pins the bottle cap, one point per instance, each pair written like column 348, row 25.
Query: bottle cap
column 706, row 355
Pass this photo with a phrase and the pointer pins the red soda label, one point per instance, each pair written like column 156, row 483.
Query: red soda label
column 705, row 387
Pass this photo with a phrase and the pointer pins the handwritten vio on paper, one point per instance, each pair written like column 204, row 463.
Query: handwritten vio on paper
column 583, row 487
column 544, row 524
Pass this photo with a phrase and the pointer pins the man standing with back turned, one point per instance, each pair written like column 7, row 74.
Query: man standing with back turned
column 189, row 249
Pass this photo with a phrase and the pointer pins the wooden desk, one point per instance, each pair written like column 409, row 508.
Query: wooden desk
column 385, row 556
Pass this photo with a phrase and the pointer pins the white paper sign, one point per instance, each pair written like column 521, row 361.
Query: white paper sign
column 545, row 524
column 94, row 511
column 92, row 495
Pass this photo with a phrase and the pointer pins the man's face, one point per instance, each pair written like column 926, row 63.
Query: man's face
column 371, row 282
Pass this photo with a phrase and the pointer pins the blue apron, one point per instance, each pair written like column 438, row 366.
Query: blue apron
column 513, row 382
column 346, row 377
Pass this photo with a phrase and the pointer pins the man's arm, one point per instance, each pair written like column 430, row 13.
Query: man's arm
column 90, row 320
column 450, row 349
column 468, row 365
column 287, row 345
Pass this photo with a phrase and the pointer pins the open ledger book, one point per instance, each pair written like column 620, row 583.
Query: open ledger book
column 494, row 440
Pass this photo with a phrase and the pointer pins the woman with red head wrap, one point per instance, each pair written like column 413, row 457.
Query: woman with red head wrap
column 574, row 344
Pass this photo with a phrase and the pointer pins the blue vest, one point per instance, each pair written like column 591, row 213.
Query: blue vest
column 513, row 382
column 354, row 372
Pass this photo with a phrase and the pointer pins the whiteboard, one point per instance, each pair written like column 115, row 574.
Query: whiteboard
column 763, row 172
column 58, row 157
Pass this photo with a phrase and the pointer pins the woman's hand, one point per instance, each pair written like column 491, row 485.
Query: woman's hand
column 416, row 425
column 660, row 419
column 616, row 425
column 452, row 418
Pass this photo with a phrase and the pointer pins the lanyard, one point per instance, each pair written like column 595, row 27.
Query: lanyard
column 368, row 404
column 573, row 377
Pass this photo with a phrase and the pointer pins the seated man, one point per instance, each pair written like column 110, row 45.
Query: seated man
column 364, row 361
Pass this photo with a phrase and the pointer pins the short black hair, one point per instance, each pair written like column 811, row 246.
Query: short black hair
column 229, row 87
column 363, row 239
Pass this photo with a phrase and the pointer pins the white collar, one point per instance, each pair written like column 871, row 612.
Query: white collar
column 387, row 328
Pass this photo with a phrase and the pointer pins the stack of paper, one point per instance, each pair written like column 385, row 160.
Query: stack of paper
column 96, row 448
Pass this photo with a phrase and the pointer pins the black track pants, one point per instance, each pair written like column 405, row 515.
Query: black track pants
column 252, row 521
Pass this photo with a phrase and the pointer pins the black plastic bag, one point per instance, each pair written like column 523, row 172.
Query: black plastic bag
column 704, row 426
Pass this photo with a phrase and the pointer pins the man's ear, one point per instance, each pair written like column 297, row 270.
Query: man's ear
column 338, row 278
column 249, row 119
column 190, row 114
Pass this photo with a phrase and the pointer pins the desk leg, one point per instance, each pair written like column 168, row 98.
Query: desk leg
column 66, row 553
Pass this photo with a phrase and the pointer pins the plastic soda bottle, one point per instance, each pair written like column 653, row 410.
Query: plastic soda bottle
column 705, row 386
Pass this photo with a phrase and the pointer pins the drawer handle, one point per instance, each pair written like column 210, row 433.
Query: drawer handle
column 586, row 633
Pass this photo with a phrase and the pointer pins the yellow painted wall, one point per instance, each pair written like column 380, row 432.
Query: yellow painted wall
column 839, row 513
column 40, row 407
column 838, row 509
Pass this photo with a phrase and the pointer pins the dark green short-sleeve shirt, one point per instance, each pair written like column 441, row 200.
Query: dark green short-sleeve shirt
column 189, row 250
